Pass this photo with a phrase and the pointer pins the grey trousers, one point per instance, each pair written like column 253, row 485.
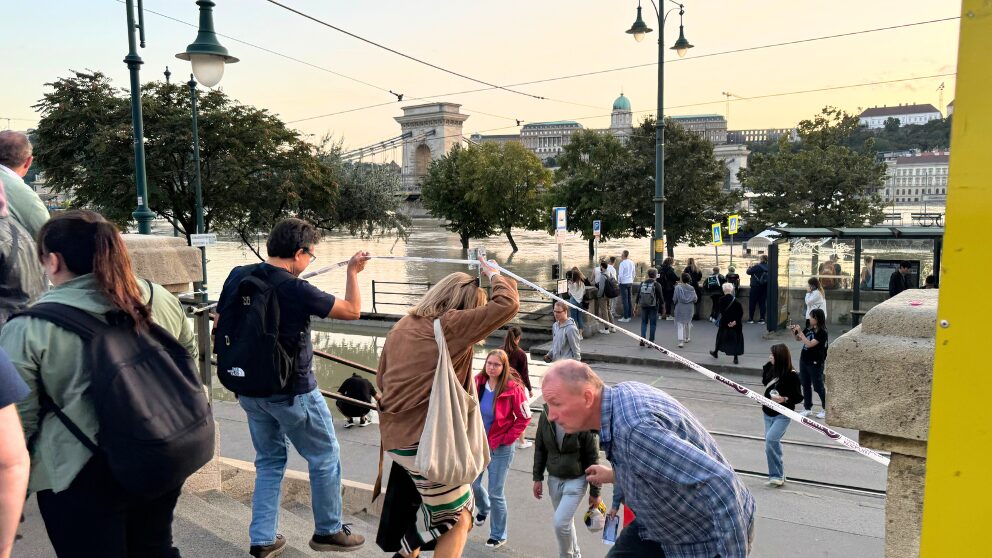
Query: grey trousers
column 566, row 497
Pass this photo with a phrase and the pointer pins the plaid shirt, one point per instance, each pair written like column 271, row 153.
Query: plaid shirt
column 685, row 494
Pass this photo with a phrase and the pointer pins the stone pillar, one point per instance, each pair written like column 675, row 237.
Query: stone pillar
column 170, row 262
column 878, row 379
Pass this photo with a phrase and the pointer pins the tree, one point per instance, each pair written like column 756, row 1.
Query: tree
column 596, row 181
column 509, row 185
column 448, row 192
column 694, row 179
column 823, row 184
column 255, row 171
column 891, row 125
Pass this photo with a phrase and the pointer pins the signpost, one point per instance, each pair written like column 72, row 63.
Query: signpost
column 597, row 230
column 733, row 223
column 560, row 220
column 201, row 240
column 717, row 230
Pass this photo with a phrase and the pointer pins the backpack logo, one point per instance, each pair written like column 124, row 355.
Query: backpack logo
column 237, row 372
column 246, row 301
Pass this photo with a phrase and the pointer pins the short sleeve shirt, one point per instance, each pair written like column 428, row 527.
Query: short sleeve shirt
column 817, row 354
column 12, row 387
column 298, row 301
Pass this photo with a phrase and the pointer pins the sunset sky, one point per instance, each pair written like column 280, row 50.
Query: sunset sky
column 505, row 42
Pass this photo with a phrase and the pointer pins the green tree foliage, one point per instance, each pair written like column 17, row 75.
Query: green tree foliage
column 597, row 180
column 255, row 171
column 694, row 183
column 820, row 183
column 448, row 192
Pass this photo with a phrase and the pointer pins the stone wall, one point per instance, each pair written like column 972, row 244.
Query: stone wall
column 166, row 260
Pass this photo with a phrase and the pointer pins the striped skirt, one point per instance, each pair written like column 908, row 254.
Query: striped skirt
column 441, row 504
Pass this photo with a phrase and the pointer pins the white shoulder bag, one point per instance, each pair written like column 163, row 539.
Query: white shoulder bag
column 454, row 449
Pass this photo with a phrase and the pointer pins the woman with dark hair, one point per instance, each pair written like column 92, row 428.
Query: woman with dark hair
column 505, row 414
column 685, row 302
column 518, row 364
column 811, row 361
column 696, row 275
column 84, row 508
column 781, row 386
column 577, row 284
column 730, row 336
column 667, row 278
column 815, row 298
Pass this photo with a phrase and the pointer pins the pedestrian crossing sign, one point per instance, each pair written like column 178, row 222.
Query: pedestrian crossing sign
column 733, row 222
column 717, row 234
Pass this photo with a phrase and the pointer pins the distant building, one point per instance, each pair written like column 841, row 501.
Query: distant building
column 915, row 177
column 621, row 119
column 499, row 138
column 711, row 126
column 761, row 135
column 548, row 139
column 950, row 108
column 906, row 114
column 734, row 158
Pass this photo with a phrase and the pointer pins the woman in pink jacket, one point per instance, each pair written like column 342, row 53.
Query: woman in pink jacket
column 506, row 414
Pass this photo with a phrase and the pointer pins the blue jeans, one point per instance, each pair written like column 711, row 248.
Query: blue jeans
column 566, row 497
column 775, row 428
column 305, row 421
column 812, row 374
column 625, row 299
column 649, row 314
column 576, row 314
column 492, row 500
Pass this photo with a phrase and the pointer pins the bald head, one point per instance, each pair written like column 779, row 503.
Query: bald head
column 573, row 393
column 15, row 151
column 573, row 375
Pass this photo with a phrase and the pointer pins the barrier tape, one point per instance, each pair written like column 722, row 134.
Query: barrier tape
column 743, row 390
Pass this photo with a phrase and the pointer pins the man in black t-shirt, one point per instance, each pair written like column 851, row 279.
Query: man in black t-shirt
column 300, row 412
column 356, row 387
column 899, row 281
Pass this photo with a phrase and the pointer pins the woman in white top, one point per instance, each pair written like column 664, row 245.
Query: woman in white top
column 577, row 284
column 815, row 298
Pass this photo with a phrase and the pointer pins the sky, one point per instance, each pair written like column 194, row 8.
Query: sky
column 293, row 66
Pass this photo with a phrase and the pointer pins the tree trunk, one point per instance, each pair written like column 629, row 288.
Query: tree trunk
column 509, row 237
column 592, row 248
column 464, row 238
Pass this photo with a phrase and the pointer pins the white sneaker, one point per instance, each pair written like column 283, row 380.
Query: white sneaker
column 364, row 421
column 525, row 444
column 821, row 414
column 604, row 331
column 805, row 413
column 348, row 423
column 775, row 482
column 680, row 344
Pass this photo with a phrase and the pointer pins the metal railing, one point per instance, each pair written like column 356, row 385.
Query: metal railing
column 407, row 294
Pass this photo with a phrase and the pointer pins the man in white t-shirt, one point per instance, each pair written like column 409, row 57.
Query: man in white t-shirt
column 626, row 280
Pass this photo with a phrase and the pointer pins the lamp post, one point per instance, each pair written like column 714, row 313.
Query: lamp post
column 639, row 29
column 208, row 58
column 142, row 214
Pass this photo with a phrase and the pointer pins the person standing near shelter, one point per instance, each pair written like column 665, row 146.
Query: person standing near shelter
column 730, row 336
column 812, row 360
column 356, row 387
column 687, row 497
column 781, row 386
column 15, row 160
column 685, row 303
column 14, row 461
column 815, row 298
column 565, row 457
column 649, row 298
column 565, row 337
column 867, row 278
column 626, row 279
column 899, row 281
column 759, row 289
column 297, row 411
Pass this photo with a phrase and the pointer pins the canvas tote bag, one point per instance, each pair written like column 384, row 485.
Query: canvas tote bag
column 453, row 449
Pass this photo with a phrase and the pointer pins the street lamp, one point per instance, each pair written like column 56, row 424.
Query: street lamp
column 638, row 30
column 142, row 214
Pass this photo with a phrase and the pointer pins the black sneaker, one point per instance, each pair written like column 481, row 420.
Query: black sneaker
column 493, row 543
column 343, row 540
column 480, row 519
column 274, row 549
column 365, row 421
column 348, row 423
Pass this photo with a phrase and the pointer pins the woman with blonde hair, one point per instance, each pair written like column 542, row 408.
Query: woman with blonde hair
column 405, row 376
column 505, row 414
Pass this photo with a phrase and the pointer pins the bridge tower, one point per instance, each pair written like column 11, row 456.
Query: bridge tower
column 435, row 128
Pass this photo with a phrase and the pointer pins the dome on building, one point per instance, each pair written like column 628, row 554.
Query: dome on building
column 621, row 103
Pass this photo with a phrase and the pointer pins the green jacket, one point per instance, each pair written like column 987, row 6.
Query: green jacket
column 577, row 453
column 38, row 347
column 24, row 204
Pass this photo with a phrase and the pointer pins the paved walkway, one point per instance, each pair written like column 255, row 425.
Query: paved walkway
column 619, row 348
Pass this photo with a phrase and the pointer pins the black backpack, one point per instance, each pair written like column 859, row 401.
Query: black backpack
column 155, row 424
column 646, row 297
column 713, row 283
column 611, row 289
column 251, row 359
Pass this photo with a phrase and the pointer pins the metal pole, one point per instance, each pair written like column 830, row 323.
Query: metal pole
column 659, row 155
column 731, row 252
column 142, row 215
column 201, row 286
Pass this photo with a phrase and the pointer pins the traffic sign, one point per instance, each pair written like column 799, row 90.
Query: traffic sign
column 202, row 239
column 717, row 234
column 733, row 222
column 597, row 227
column 560, row 236
column 560, row 219
column 659, row 245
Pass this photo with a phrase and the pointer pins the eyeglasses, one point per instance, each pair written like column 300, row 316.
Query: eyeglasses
column 309, row 253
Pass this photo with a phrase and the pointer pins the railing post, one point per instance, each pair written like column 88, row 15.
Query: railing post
column 373, row 298
column 203, row 346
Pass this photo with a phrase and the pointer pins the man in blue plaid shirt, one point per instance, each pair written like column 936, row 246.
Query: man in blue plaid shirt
column 688, row 501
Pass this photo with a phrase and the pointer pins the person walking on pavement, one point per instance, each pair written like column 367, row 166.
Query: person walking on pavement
column 668, row 467
column 565, row 337
column 685, row 303
column 697, row 275
column 626, row 279
column 899, row 281
column 518, row 364
column 298, row 413
column 607, row 291
column 649, row 298
column 668, row 278
column 565, row 457
column 815, row 298
column 759, row 289
column 577, row 284
column 812, row 360
column 505, row 414
column 781, row 386
column 356, row 387
column 714, row 287
column 730, row 336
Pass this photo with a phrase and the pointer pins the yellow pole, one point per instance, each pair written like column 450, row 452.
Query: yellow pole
column 958, row 484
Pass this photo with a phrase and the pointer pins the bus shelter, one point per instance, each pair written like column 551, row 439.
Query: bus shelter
column 852, row 264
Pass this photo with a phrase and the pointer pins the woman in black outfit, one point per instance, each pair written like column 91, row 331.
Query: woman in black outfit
column 812, row 359
column 668, row 278
column 697, row 275
column 781, row 386
column 730, row 336
column 518, row 362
